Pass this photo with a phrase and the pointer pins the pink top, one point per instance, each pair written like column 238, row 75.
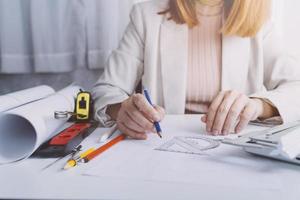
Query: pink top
column 205, row 59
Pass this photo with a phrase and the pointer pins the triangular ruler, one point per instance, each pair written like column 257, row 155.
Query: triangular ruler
column 189, row 145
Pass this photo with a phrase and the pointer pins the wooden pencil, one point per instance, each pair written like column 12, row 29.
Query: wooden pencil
column 103, row 148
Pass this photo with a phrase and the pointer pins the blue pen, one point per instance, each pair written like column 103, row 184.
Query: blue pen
column 156, row 124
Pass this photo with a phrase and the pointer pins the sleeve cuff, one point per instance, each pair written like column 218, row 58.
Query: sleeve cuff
column 101, row 107
column 276, row 102
column 104, row 119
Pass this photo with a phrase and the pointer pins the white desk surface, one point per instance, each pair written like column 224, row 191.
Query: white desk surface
column 257, row 178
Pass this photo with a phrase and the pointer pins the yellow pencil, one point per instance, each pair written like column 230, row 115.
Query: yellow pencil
column 73, row 161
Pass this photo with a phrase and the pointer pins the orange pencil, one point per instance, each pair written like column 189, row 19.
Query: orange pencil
column 103, row 148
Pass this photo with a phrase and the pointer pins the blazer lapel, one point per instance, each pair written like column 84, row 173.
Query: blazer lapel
column 235, row 58
column 174, row 60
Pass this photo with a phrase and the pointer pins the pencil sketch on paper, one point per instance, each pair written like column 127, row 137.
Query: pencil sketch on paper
column 189, row 145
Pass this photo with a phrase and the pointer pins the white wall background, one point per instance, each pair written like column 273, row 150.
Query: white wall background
column 96, row 29
column 291, row 25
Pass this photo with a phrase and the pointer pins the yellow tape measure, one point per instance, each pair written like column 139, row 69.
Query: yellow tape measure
column 83, row 106
column 83, row 109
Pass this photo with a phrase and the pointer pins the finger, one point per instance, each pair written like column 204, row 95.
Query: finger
column 144, row 106
column 222, row 112
column 139, row 118
column 212, row 111
column 133, row 134
column 161, row 112
column 130, row 123
column 234, row 113
column 153, row 130
column 245, row 117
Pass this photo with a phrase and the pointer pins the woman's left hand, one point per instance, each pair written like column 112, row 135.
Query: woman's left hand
column 231, row 111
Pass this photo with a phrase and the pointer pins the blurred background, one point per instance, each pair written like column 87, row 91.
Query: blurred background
column 57, row 42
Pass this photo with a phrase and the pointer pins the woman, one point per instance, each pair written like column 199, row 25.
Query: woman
column 217, row 57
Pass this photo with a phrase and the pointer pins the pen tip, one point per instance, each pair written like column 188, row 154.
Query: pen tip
column 159, row 134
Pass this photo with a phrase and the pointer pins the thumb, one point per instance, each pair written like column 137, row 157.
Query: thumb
column 161, row 111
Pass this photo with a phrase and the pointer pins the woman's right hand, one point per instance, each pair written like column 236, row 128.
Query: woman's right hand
column 136, row 117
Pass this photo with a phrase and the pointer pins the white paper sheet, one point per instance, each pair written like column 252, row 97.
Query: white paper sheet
column 137, row 160
column 25, row 128
column 22, row 97
column 132, row 161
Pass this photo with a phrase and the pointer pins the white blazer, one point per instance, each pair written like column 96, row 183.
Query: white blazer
column 154, row 51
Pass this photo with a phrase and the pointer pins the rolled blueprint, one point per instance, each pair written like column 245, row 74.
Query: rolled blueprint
column 22, row 97
column 25, row 128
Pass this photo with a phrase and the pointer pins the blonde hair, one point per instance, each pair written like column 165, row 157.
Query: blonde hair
column 245, row 18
